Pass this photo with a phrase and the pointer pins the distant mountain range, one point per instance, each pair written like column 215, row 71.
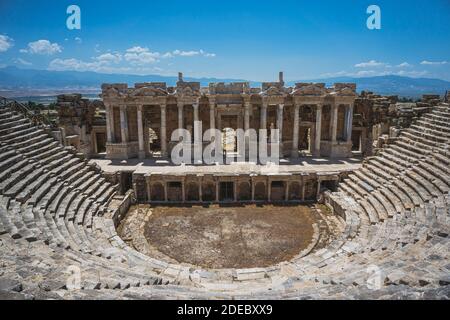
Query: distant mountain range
column 26, row 82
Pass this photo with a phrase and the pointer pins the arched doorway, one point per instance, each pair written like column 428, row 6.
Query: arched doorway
column 192, row 192
column 157, row 192
column 245, row 191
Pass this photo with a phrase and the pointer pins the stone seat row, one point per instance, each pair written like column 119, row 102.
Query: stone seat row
column 396, row 217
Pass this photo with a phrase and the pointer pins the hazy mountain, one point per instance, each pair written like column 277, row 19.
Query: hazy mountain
column 15, row 78
column 393, row 85
column 27, row 80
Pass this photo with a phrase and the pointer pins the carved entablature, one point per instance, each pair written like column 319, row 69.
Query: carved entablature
column 148, row 92
column 187, row 90
column 229, row 88
column 309, row 89
column 113, row 92
column 156, row 85
column 268, row 85
column 345, row 89
column 274, row 92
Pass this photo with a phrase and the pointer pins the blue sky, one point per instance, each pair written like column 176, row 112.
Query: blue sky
column 230, row 39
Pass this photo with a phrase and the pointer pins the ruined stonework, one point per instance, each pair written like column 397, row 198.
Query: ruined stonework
column 312, row 119
column 376, row 118
column 81, row 123
column 58, row 218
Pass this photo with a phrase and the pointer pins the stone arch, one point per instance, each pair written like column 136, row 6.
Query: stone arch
column 245, row 191
column 192, row 192
column 157, row 192
column 175, row 191
column 277, row 190
column 208, row 191
column 310, row 190
column 260, row 191
column 294, row 191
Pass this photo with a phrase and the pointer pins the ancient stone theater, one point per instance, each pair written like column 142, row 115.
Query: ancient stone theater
column 93, row 205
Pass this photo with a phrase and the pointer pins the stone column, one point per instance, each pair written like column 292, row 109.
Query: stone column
column 318, row 130
column 111, row 121
column 124, row 123
column 318, row 188
column 296, row 131
column 196, row 118
column 349, row 123
column 166, row 198
column 253, row 190
column 212, row 114
column 108, row 124
column 200, row 191
column 140, row 126
column 180, row 115
column 163, row 131
column 263, row 124
column 334, row 121
column 269, row 191
column 303, row 188
column 286, row 191
column 217, row 191
column 149, row 191
column 247, row 116
column 280, row 121
column 183, row 191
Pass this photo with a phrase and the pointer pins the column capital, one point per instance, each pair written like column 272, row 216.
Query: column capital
column 140, row 107
column 163, row 106
column 180, row 104
column 319, row 106
column 123, row 107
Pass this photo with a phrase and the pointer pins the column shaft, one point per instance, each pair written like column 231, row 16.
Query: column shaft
column 247, row 116
column 163, row 131
column 334, row 121
column 318, row 130
column 263, row 124
column 108, row 124
column 280, row 121
column 140, row 133
column 212, row 115
column 180, row 116
column 296, row 131
column 124, row 123
column 349, row 123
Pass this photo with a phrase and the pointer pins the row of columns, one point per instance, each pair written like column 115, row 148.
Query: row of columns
column 235, row 190
column 247, row 110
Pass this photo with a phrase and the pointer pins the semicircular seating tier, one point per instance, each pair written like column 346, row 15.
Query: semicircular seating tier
column 55, row 218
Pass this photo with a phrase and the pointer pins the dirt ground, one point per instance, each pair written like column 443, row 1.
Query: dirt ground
column 230, row 237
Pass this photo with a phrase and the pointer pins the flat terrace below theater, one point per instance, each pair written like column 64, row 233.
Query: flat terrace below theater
column 296, row 180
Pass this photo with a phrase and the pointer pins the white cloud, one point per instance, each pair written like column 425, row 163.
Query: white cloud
column 137, row 49
column 141, row 56
column 192, row 53
column 404, row 65
column 433, row 63
column 78, row 40
column 5, row 43
column 79, row 65
column 43, row 47
column 375, row 73
column 371, row 63
column 109, row 57
column 22, row 61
